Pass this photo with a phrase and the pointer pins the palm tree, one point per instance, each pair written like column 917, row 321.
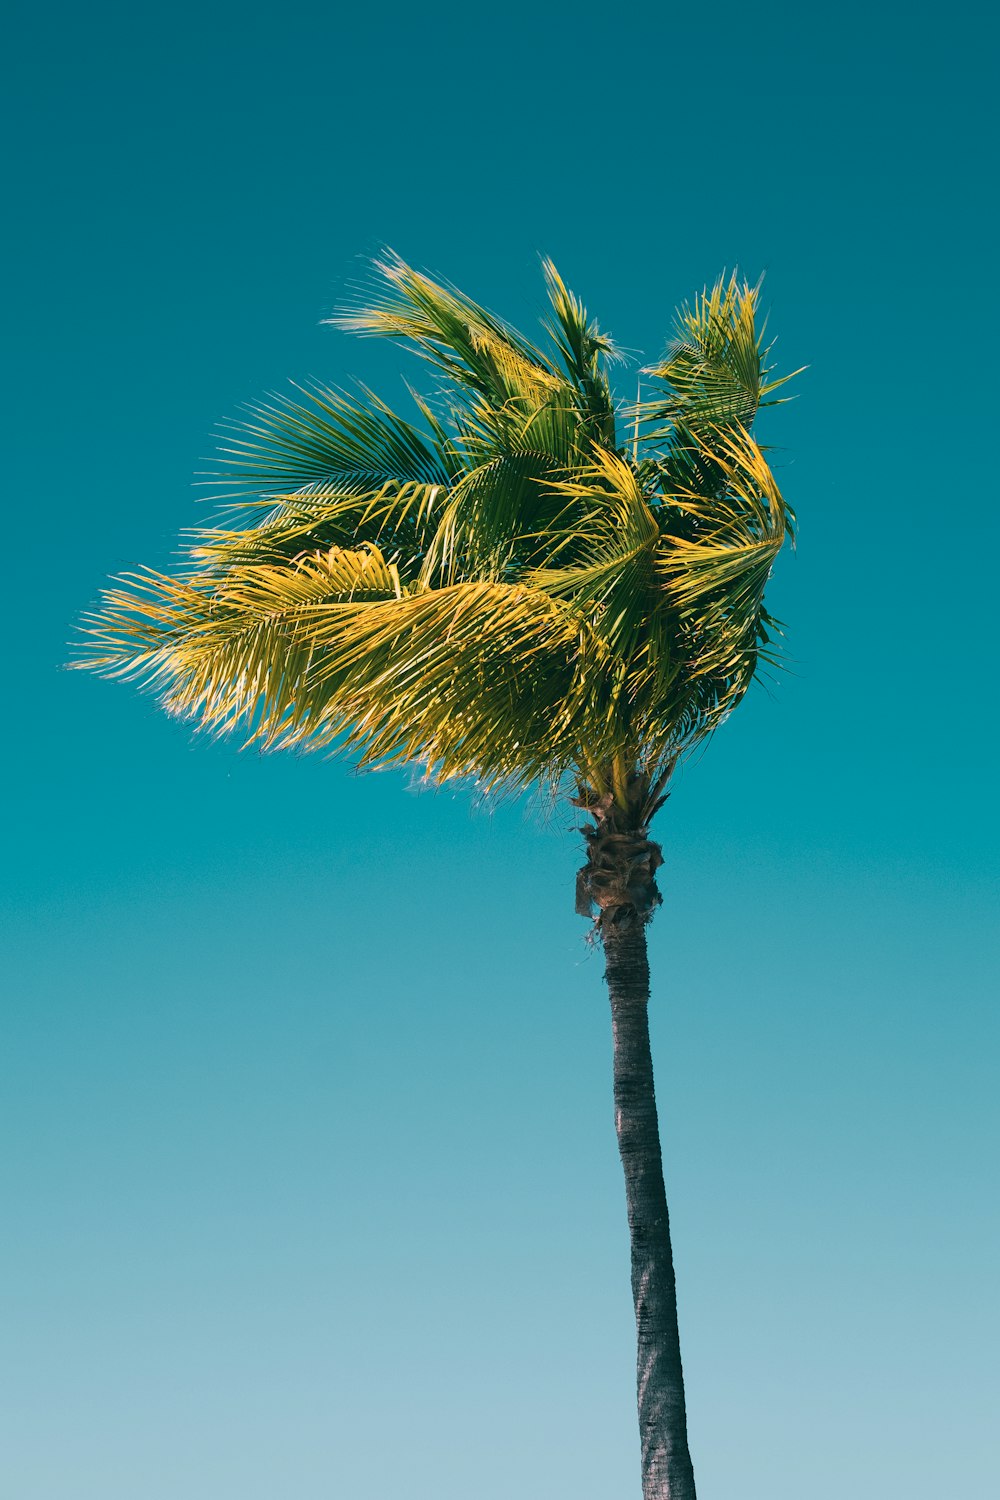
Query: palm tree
column 510, row 590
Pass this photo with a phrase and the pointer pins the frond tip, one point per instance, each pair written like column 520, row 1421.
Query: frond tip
column 504, row 587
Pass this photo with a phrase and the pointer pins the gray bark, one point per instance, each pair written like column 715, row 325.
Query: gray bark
column 667, row 1473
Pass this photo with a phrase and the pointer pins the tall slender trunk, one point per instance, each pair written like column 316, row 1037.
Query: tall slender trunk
column 667, row 1473
column 618, row 884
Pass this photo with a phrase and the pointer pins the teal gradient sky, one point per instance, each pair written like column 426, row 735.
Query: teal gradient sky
column 309, row 1176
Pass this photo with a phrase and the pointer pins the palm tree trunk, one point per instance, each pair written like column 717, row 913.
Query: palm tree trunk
column 667, row 1473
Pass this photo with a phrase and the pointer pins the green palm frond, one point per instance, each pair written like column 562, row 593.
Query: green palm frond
column 398, row 518
column 505, row 588
column 471, row 346
column 584, row 352
column 324, row 439
column 715, row 578
column 715, row 372
column 611, row 538
column 492, row 518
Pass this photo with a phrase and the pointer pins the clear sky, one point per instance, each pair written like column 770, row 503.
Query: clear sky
column 309, row 1175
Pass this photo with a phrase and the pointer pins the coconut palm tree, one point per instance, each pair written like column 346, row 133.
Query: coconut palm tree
column 524, row 585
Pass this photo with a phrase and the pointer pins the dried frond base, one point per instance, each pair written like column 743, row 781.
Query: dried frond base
column 617, row 886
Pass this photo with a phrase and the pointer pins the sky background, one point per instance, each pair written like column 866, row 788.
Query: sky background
column 309, row 1175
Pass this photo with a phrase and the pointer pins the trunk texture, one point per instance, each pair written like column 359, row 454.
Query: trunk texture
column 667, row 1473
column 617, row 887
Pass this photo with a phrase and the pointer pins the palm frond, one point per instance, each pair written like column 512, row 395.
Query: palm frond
column 400, row 519
column 610, row 534
column 473, row 347
column 715, row 579
column 325, row 439
column 492, row 520
column 715, row 372
column 584, row 352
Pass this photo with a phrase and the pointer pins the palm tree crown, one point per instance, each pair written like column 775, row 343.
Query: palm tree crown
column 512, row 587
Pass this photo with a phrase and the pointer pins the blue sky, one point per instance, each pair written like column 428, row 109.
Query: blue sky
column 310, row 1174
